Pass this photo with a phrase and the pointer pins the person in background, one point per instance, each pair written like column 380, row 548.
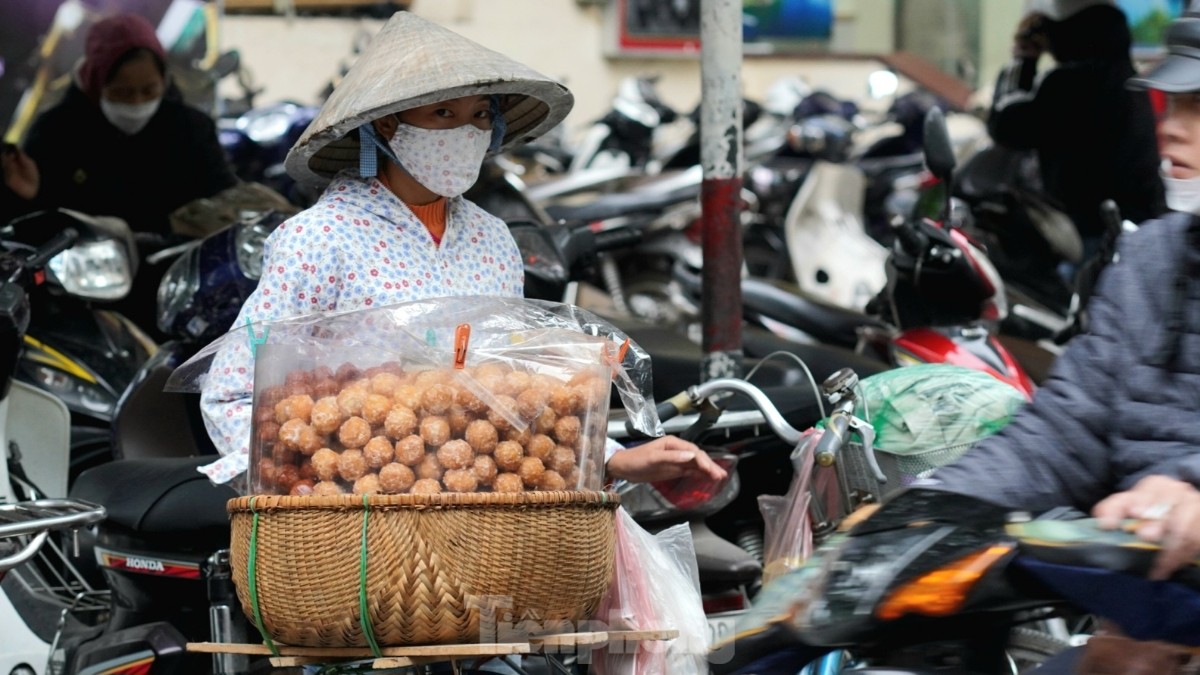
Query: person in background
column 121, row 143
column 1094, row 138
column 395, row 147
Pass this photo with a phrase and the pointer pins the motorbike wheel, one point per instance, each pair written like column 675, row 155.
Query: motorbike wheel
column 656, row 298
column 1028, row 647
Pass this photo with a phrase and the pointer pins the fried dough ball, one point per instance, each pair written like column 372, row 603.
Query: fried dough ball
column 468, row 400
column 294, row 408
column 285, row 475
column 437, row 399
column 566, row 401
column 429, row 467
column 410, row 450
column 267, row 432
column 408, row 396
column 271, row 396
column 508, row 482
column 572, row 479
column 567, row 429
column 306, row 469
column 435, row 430
column 325, row 464
column 264, row 414
column 544, row 424
column 378, row 451
column 283, row 455
column 354, row 432
column 482, row 436
column 514, row 383
column 485, row 469
column 492, row 370
column 508, row 455
column 352, row 465
column 562, row 459
column 385, row 383
column 347, row 372
column 426, row 486
column 266, row 472
column 351, row 401
column 367, row 485
column 455, row 454
column 531, row 402
column 327, row 415
column 295, row 434
column 458, row 419
column 301, row 488
column 531, row 471
column 429, row 378
column 376, row 408
column 540, row 446
column 396, row 478
column 327, row 487
column 508, row 405
column 461, row 480
column 400, row 422
column 523, row 436
column 552, row 480
column 325, row 387
column 310, row 441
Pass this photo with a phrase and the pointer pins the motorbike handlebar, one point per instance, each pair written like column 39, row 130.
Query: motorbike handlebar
column 912, row 241
column 57, row 244
column 622, row 237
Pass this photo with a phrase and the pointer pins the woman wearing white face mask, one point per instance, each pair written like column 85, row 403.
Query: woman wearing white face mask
column 395, row 146
column 120, row 143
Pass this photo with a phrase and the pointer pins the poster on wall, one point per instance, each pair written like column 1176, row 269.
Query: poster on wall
column 1148, row 19
column 672, row 27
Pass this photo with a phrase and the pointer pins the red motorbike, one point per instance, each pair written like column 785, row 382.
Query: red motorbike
column 942, row 299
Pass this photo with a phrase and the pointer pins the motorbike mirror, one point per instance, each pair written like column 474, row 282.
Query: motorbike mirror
column 226, row 64
column 939, row 153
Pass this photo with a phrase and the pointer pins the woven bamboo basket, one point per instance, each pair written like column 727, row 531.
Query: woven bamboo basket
column 432, row 565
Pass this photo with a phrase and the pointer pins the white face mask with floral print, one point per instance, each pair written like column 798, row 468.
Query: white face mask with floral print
column 446, row 161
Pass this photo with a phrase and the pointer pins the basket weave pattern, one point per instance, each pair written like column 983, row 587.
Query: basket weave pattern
column 433, row 561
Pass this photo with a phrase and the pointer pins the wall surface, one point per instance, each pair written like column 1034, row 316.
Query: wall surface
column 295, row 58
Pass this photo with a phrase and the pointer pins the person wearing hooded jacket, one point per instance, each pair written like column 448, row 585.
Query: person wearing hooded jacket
column 121, row 143
column 395, row 147
column 1114, row 429
column 1093, row 137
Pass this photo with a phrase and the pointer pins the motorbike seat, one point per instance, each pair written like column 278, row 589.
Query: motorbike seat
column 157, row 495
column 721, row 562
column 621, row 204
column 789, row 305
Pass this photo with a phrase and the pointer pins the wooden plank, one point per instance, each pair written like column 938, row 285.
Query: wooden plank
column 643, row 635
column 569, row 640
column 441, row 651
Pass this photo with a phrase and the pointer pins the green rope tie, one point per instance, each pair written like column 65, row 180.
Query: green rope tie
column 253, row 574
column 368, row 630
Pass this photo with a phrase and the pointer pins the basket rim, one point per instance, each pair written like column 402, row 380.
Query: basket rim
column 264, row 503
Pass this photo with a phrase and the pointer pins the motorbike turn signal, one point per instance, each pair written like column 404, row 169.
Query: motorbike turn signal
column 943, row 591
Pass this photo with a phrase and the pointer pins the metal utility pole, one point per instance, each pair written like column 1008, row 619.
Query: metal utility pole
column 720, row 193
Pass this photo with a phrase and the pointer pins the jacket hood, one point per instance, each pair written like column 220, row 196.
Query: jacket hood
column 1099, row 32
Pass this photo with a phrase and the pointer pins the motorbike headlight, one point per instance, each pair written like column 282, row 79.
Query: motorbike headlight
column 95, row 270
column 268, row 126
column 177, row 288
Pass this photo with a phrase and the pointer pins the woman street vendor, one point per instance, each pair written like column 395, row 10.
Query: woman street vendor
column 395, row 147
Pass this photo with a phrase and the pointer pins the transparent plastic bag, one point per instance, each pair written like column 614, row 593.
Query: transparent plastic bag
column 656, row 585
column 535, row 374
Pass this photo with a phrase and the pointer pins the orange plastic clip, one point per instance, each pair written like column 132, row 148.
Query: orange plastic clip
column 462, row 336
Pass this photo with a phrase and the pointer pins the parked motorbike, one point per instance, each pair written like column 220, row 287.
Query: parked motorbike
column 74, row 349
column 257, row 141
column 624, row 137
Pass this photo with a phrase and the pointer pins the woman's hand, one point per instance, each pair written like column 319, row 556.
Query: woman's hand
column 1170, row 513
column 20, row 172
column 665, row 458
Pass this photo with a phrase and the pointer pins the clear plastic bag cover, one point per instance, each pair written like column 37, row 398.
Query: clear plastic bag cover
column 930, row 407
column 424, row 332
column 656, row 585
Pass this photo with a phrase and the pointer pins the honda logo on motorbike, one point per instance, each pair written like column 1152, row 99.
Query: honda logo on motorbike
column 156, row 566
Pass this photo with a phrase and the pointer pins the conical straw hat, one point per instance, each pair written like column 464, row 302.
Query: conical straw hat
column 414, row 62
